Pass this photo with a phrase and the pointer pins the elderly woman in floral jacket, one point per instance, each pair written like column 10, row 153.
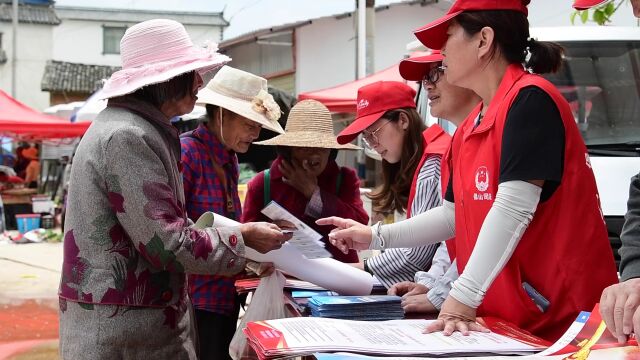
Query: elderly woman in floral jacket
column 128, row 242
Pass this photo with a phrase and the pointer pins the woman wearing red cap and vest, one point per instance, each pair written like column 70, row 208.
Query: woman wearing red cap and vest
column 391, row 126
column 408, row 178
column 531, row 244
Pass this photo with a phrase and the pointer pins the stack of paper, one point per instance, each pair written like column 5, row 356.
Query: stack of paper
column 304, row 238
column 371, row 308
column 250, row 284
column 273, row 339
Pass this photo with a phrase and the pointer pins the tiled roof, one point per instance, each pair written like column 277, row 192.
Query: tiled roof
column 71, row 77
column 32, row 14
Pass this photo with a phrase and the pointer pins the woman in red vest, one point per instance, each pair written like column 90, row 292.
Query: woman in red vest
column 392, row 127
column 531, row 244
column 411, row 159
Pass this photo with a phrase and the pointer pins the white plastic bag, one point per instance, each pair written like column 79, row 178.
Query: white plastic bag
column 267, row 303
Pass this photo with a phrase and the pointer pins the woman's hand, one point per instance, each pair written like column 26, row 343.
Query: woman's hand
column 262, row 236
column 407, row 288
column 620, row 308
column 348, row 234
column 417, row 304
column 455, row 316
column 300, row 178
column 259, row 269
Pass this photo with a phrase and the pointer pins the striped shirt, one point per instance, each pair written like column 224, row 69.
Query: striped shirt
column 397, row 265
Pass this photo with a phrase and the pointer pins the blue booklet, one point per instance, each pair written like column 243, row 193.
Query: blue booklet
column 301, row 294
column 372, row 307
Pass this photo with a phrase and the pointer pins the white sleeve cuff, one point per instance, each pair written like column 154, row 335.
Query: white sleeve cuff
column 502, row 229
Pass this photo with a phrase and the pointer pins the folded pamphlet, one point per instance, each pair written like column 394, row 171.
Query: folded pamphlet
column 304, row 238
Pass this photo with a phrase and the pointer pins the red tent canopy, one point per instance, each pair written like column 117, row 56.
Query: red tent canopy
column 342, row 98
column 19, row 121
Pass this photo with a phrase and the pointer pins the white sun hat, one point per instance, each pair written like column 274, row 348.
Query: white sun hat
column 244, row 94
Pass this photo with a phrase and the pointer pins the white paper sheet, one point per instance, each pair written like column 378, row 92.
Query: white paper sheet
column 304, row 238
column 327, row 272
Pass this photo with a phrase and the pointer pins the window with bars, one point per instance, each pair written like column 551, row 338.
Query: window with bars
column 111, row 36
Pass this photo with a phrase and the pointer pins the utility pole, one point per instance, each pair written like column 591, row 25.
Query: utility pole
column 370, row 34
column 365, row 21
column 365, row 10
column 14, row 50
column 362, row 40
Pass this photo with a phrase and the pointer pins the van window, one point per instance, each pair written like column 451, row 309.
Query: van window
column 601, row 82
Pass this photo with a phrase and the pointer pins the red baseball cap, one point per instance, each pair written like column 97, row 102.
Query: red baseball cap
column 415, row 68
column 587, row 4
column 373, row 101
column 434, row 34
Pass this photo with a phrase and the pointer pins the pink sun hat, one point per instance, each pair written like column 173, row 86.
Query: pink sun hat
column 156, row 51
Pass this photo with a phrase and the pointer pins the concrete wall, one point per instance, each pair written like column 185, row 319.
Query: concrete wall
column 325, row 53
column 34, row 49
column 80, row 41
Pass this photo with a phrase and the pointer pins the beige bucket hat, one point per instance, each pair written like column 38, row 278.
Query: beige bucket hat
column 243, row 93
column 309, row 125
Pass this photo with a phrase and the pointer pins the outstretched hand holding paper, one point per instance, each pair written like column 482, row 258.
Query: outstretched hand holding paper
column 305, row 239
column 326, row 272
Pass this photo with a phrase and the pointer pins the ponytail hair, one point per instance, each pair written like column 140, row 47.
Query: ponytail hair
column 511, row 29
column 546, row 57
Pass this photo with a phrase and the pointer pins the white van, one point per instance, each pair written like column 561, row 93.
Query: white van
column 601, row 80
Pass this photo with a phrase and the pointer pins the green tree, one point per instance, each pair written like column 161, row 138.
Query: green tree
column 601, row 15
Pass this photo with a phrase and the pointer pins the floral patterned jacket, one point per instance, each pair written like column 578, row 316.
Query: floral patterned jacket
column 127, row 239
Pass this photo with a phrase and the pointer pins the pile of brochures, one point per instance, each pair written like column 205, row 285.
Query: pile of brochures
column 367, row 308
column 283, row 338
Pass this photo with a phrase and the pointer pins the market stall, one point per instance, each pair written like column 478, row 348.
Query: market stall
column 342, row 98
column 22, row 123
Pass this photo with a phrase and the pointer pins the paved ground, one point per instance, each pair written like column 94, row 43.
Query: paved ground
column 29, row 277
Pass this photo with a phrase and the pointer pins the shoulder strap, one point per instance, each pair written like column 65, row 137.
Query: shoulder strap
column 339, row 182
column 266, row 196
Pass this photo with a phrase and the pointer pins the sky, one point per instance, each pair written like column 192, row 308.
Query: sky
column 245, row 15
column 250, row 15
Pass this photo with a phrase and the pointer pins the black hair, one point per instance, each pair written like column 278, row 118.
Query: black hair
column 174, row 89
column 511, row 29
column 393, row 193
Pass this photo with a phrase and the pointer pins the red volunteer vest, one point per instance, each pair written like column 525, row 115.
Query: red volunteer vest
column 565, row 252
column 435, row 141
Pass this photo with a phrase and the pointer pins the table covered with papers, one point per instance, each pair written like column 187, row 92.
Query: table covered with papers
column 279, row 338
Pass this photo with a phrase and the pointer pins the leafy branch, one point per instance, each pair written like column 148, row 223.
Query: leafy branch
column 601, row 15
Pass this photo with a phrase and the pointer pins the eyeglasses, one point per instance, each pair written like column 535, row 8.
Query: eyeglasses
column 370, row 139
column 432, row 77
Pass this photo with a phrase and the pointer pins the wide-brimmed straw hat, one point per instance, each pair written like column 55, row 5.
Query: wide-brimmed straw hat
column 415, row 68
column 156, row 51
column 244, row 94
column 309, row 125
column 588, row 4
column 434, row 34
